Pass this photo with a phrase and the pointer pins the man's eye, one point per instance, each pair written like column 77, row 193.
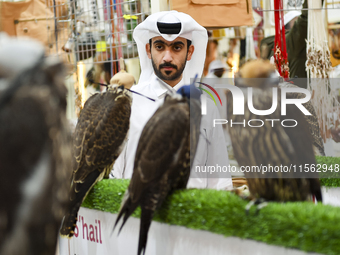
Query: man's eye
column 178, row 47
column 159, row 47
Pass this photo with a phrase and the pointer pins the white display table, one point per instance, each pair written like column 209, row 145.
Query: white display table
column 331, row 196
column 163, row 240
column 94, row 236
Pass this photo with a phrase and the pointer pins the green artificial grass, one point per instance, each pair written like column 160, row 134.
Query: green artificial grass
column 300, row 225
column 333, row 173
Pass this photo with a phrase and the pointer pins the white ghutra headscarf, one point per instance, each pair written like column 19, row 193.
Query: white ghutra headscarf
column 170, row 25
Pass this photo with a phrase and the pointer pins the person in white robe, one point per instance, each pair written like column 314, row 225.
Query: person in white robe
column 171, row 47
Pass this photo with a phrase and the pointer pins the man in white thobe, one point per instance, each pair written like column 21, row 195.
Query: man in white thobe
column 171, row 47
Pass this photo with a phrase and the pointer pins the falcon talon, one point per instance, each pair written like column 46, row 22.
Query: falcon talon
column 260, row 206
column 259, row 202
column 248, row 206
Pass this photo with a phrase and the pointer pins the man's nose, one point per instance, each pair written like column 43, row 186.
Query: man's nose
column 167, row 56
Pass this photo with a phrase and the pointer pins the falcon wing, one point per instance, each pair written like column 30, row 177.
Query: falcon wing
column 102, row 127
column 254, row 146
column 312, row 120
column 195, row 123
column 160, row 146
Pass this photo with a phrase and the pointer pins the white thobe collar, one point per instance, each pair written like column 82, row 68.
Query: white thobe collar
column 161, row 88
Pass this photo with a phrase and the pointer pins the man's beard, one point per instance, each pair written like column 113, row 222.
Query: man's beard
column 167, row 77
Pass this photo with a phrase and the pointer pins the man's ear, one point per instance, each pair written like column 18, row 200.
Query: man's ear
column 190, row 52
column 148, row 50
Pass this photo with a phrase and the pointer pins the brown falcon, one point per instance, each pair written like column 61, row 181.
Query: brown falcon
column 99, row 138
column 164, row 155
column 35, row 148
column 271, row 144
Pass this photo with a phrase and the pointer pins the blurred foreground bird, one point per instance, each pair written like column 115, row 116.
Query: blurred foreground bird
column 35, row 148
column 272, row 143
column 99, row 138
column 164, row 155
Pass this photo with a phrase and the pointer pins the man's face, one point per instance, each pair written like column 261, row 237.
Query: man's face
column 169, row 58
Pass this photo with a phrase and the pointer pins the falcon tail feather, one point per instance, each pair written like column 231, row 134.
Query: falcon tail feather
column 71, row 218
column 145, row 222
column 126, row 210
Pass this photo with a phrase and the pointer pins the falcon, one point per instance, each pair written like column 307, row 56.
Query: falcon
column 99, row 138
column 164, row 155
column 272, row 144
column 35, row 148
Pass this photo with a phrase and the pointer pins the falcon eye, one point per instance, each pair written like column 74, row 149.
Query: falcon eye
column 121, row 87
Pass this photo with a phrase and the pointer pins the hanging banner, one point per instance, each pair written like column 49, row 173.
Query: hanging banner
column 217, row 13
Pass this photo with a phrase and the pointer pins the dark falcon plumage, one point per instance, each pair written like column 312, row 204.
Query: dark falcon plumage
column 312, row 120
column 275, row 145
column 35, row 149
column 99, row 138
column 164, row 155
column 266, row 70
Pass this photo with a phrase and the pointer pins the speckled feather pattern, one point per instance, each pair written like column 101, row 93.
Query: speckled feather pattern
column 312, row 120
column 273, row 145
column 101, row 129
column 99, row 138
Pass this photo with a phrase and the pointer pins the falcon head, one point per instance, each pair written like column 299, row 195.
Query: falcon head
column 122, row 78
column 121, row 83
column 190, row 91
column 18, row 54
column 257, row 73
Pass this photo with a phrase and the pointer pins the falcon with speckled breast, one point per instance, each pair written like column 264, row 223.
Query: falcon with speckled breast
column 272, row 144
column 99, row 138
